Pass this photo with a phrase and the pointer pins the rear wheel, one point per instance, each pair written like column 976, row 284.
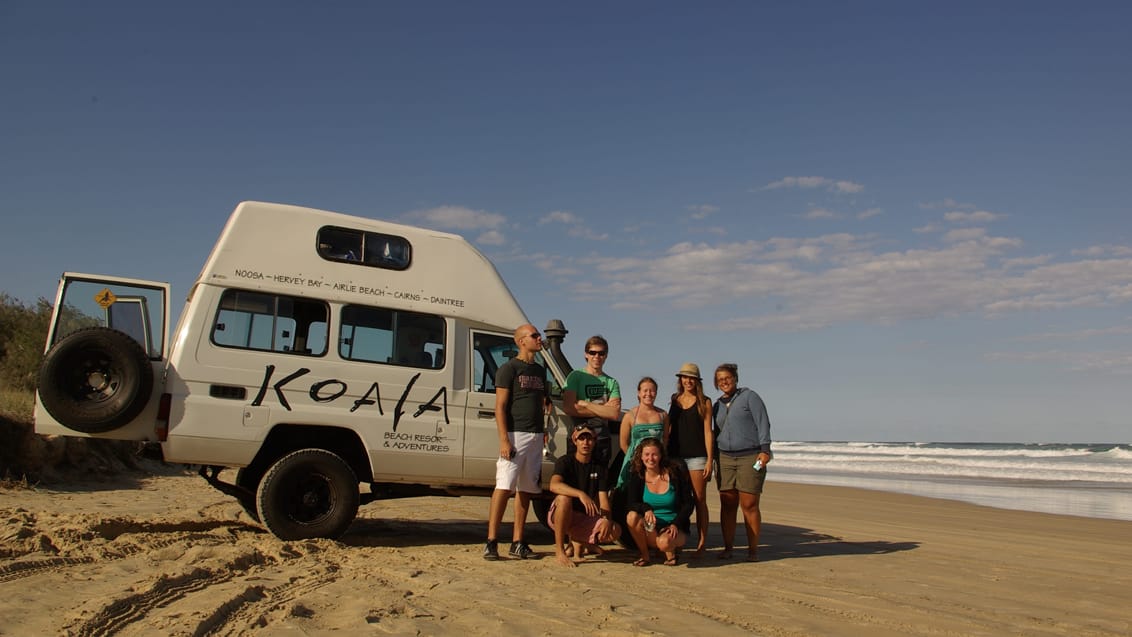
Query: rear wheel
column 95, row 380
column 309, row 493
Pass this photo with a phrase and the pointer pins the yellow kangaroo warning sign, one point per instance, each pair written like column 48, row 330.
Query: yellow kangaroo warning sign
column 105, row 298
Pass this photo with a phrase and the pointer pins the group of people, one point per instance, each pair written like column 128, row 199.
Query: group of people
column 669, row 458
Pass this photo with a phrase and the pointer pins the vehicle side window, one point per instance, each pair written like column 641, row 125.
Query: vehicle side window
column 271, row 322
column 364, row 248
column 381, row 335
column 489, row 352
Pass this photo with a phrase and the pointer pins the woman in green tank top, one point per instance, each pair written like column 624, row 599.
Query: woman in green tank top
column 640, row 422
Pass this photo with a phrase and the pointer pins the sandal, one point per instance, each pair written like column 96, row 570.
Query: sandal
column 672, row 561
column 725, row 554
column 641, row 562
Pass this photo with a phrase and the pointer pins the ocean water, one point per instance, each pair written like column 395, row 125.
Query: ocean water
column 1090, row 480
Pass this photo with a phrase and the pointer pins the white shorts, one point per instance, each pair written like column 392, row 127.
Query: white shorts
column 524, row 471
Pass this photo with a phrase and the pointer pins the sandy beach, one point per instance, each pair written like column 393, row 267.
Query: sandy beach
column 169, row 555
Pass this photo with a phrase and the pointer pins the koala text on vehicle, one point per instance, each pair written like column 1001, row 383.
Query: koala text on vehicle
column 316, row 351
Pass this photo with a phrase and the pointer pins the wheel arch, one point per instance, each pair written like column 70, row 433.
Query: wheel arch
column 285, row 438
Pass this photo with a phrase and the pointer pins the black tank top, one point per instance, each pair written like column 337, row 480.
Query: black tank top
column 686, row 439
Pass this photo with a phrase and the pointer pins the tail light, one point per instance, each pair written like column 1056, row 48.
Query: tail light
column 161, row 426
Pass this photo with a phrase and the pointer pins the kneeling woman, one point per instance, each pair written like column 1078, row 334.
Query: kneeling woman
column 660, row 502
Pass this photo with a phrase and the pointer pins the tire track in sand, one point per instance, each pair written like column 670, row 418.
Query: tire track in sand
column 19, row 570
column 124, row 611
column 247, row 610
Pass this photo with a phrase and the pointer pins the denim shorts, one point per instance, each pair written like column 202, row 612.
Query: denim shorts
column 698, row 463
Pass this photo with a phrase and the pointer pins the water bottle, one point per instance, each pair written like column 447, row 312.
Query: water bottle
column 758, row 465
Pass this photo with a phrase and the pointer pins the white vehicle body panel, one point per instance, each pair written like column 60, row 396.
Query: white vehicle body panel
column 426, row 422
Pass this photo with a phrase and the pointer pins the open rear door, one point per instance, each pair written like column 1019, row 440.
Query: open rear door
column 105, row 356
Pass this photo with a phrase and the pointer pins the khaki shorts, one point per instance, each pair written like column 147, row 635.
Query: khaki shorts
column 738, row 473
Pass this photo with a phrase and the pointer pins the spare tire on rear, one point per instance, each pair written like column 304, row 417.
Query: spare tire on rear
column 95, row 380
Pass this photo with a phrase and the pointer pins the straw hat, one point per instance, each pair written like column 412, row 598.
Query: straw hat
column 691, row 370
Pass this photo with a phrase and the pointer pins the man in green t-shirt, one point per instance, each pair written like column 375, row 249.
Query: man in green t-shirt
column 593, row 397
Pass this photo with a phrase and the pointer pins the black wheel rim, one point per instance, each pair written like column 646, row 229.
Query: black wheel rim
column 91, row 377
column 312, row 499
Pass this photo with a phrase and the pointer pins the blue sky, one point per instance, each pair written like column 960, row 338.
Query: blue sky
column 903, row 221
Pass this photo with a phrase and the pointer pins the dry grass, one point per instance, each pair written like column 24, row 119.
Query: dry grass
column 16, row 409
column 17, row 404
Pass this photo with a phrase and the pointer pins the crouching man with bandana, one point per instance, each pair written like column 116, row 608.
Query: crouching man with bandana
column 581, row 507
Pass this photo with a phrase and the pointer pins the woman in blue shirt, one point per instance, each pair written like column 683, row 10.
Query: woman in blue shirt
column 742, row 434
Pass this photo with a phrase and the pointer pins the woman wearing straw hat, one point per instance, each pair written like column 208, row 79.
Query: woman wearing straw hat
column 691, row 439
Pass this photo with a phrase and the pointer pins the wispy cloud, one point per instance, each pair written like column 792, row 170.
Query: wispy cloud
column 949, row 204
column 1104, row 251
column 807, row 283
column 456, row 218
column 820, row 213
column 575, row 225
column 833, row 185
column 868, row 214
column 701, row 211
column 964, row 234
column 1026, row 262
column 1077, row 335
column 978, row 216
column 1110, row 362
column 491, row 238
column 559, row 216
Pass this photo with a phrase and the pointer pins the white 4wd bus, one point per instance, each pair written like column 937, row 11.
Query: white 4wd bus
column 316, row 351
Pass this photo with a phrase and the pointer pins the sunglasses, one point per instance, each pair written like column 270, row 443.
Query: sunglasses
column 533, row 335
column 597, row 352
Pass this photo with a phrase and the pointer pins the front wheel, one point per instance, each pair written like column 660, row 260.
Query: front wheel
column 309, row 493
